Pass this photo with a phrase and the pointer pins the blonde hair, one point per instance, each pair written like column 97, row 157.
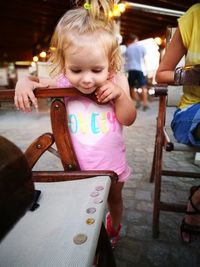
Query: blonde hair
column 94, row 21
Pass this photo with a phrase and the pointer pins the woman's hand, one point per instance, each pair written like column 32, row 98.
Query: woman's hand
column 24, row 97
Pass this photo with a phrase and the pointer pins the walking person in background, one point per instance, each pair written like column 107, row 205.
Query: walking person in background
column 186, row 120
column 87, row 56
column 135, row 64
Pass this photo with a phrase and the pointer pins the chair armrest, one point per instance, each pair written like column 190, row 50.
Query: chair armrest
column 38, row 147
column 160, row 89
column 55, row 176
column 168, row 144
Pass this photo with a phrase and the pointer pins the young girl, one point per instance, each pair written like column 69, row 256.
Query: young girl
column 87, row 57
column 186, row 121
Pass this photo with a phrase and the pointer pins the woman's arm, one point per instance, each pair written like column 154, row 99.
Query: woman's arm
column 174, row 52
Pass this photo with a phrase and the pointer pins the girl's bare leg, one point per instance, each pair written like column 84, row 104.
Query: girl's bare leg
column 115, row 204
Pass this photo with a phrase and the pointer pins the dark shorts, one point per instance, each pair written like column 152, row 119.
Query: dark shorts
column 184, row 123
column 136, row 79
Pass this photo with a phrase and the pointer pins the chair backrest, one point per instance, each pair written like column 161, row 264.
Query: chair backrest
column 60, row 136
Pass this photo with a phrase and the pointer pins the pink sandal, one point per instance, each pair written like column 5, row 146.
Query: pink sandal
column 113, row 234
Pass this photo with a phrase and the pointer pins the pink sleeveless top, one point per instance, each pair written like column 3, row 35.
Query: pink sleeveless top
column 96, row 135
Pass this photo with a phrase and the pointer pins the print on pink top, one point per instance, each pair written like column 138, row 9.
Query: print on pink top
column 90, row 122
column 96, row 134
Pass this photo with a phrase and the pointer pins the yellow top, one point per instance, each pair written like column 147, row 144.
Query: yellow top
column 189, row 25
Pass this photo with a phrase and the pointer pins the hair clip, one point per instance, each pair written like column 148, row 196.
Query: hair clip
column 87, row 6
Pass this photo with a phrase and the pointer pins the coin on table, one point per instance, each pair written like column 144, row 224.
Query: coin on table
column 99, row 187
column 94, row 194
column 90, row 220
column 80, row 239
column 91, row 210
column 98, row 200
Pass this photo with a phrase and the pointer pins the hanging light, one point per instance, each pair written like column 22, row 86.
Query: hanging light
column 122, row 7
column 117, row 10
column 43, row 54
column 35, row 59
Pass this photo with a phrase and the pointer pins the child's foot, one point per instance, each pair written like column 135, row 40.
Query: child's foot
column 113, row 234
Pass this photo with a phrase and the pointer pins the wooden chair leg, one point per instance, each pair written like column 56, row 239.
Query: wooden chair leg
column 158, row 165
column 152, row 176
column 157, row 192
column 104, row 250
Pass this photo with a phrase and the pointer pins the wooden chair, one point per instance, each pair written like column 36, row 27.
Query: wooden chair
column 169, row 96
column 71, row 171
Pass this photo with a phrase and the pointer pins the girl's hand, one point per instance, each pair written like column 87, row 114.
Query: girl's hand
column 107, row 92
column 119, row 92
column 24, row 97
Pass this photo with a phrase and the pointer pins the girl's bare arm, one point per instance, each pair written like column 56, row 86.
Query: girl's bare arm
column 124, row 106
column 118, row 92
column 24, row 97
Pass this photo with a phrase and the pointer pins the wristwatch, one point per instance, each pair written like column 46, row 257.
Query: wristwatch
column 187, row 75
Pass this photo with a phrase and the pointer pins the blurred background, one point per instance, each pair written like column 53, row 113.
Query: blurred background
column 27, row 26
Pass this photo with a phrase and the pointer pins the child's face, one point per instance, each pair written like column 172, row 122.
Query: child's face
column 86, row 67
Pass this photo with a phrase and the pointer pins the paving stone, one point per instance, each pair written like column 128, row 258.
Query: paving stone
column 143, row 195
